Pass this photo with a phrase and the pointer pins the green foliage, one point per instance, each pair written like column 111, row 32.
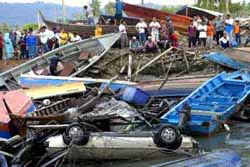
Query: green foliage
column 30, row 25
column 225, row 6
column 235, row 8
column 170, row 9
column 4, row 27
column 110, row 8
column 96, row 4
column 79, row 16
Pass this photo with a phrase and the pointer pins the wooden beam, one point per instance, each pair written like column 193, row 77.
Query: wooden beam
column 152, row 61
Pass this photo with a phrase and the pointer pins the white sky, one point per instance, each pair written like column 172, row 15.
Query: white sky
column 83, row 2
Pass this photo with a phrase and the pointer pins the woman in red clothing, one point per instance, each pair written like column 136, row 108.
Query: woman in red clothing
column 1, row 46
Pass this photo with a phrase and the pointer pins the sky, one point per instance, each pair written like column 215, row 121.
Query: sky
column 83, row 2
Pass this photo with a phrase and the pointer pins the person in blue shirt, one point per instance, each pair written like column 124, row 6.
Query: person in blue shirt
column 118, row 11
column 31, row 44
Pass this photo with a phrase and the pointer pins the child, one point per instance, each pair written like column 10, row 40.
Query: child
column 98, row 30
column 224, row 41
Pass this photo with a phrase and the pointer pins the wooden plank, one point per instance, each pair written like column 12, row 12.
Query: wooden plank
column 152, row 61
column 51, row 91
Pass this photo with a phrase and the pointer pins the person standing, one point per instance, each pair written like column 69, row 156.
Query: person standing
column 202, row 28
column 1, row 46
column 229, row 28
column 98, row 30
column 118, row 11
column 124, row 37
column 219, row 28
column 64, row 37
column 155, row 27
column 44, row 38
column 22, row 44
column 13, row 38
column 89, row 12
column 31, row 44
column 237, row 32
column 210, row 34
column 9, row 49
column 192, row 35
column 141, row 29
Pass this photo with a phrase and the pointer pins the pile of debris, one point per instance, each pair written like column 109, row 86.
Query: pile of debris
column 50, row 120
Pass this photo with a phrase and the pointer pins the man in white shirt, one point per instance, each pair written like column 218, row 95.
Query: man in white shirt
column 44, row 37
column 124, row 37
column 90, row 15
column 141, row 29
column 155, row 27
column 202, row 28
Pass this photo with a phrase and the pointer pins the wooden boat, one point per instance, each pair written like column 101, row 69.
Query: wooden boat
column 212, row 103
column 74, row 64
column 222, row 158
column 104, row 19
column 225, row 60
column 181, row 23
column 86, row 30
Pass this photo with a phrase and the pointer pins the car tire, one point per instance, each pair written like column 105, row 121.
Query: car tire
column 76, row 134
column 168, row 136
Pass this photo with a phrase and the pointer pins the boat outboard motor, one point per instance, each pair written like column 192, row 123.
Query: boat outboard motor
column 184, row 117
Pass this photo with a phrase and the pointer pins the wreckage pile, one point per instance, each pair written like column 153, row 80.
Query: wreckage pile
column 73, row 116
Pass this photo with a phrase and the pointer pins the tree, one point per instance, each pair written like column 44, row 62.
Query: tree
column 4, row 27
column 96, row 4
column 110, row 8
column 30, row 25
column 170, row 9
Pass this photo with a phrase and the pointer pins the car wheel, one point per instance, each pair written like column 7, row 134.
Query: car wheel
column 168, row 136
column 76, row 134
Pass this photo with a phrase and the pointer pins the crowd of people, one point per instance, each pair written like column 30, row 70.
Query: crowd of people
column 225, row 31
column 202, row 33
column 28, row 44
column 151, row 37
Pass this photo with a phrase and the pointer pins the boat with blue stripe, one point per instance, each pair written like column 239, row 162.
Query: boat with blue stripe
column 212, row 103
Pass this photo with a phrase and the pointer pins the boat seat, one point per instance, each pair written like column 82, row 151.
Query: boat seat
column 211, row 100
column 209, row 107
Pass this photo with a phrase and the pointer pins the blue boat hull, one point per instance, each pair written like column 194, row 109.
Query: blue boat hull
column 224, row 60
column 212, row 103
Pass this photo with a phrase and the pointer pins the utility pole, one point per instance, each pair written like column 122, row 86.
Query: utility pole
column 63, row 11
column 142, row 2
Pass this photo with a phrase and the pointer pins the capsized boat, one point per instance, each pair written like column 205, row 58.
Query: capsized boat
column 181, row 23
column 211, row 104
column 222, row 158
column 76, row 57
column 84, row 30
column 225, row 60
